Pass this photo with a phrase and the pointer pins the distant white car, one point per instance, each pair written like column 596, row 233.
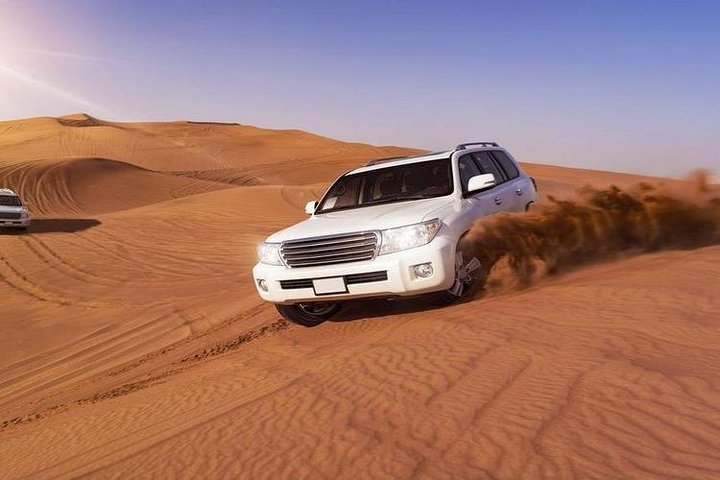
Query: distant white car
column 390, row 228
column 13, row 212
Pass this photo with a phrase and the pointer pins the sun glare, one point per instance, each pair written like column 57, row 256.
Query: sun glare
column 48, row 88
column 38, row 71
column 3, row 55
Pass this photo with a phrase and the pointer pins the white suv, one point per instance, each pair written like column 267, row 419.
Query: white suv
column 13, row 213
column 390, row 228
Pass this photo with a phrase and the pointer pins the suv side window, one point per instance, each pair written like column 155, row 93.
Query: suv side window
column 487, row 165
column 468, row 169
column 508, row 165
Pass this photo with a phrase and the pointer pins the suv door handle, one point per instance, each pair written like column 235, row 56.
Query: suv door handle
column 519, row 191
column 498, row 200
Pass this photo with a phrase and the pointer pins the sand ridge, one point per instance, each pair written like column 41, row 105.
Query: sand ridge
column 136, row 347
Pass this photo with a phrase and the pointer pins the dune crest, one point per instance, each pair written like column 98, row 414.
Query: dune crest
column 276, row 156
column 82, row 120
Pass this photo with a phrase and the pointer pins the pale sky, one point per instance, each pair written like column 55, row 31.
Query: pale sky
column 627, row 86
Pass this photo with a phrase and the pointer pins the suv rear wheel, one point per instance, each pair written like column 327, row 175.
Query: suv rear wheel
column 308, row 314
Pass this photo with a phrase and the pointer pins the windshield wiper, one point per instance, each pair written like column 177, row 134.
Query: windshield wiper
column 401, row 198
column 419, row 197
column 388, row 199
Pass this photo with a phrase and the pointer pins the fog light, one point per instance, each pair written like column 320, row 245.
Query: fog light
column 263, row 285
column 424, row 270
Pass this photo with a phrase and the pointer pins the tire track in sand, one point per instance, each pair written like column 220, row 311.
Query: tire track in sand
column 178, row 366
column 18, row 281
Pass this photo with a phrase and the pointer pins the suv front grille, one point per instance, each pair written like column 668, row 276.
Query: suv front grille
column 366, row 277
column 311, row 252
column 353, row 279
column 9, row 216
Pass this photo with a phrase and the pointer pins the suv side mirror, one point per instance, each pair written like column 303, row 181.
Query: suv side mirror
column 310, row 207
column 481, row 182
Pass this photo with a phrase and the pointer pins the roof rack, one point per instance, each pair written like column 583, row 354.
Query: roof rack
column 382, row 160
column 405, row 157
column 463, row 146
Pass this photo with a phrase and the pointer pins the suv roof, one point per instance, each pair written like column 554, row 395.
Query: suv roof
column 7, row 192
column 383, row 162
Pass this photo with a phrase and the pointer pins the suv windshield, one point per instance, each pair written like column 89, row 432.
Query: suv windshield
column 413, row 181
column 9, row 201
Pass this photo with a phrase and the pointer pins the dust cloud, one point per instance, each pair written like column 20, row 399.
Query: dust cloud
column 594, row 226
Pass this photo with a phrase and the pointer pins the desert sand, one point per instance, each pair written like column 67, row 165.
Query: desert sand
column 134, row 344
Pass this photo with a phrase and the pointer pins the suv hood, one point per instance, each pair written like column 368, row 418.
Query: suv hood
column 378, row 217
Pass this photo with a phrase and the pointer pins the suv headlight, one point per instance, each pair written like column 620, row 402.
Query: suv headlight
column 403, row 238
column 269, row 253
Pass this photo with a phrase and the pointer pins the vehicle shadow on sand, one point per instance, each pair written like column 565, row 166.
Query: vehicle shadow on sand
column 372, row 308
column 55, row 225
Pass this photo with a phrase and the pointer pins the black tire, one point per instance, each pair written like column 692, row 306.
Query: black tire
column 21, row 229
column 465, row 281
column 308, row 314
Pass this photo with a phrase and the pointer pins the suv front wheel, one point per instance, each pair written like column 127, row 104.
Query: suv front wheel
column 308, row 314
column 467, row 273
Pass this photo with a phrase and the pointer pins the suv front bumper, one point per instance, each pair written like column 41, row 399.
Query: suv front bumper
column 14, row 223
column 401, row 278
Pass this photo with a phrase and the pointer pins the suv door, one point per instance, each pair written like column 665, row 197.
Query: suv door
column 520, row 188
column 502, row 193
column 475, row 204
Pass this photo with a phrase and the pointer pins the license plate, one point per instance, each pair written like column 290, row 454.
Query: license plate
column 327, row 286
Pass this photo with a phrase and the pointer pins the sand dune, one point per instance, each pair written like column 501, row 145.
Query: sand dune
column 232, row 176
column 134, row 345
column 273, row 155
column 95, row 185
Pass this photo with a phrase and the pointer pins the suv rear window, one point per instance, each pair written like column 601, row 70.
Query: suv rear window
column 10, row 201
